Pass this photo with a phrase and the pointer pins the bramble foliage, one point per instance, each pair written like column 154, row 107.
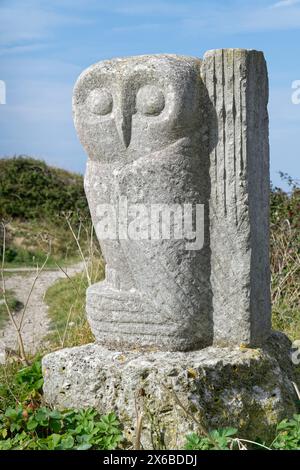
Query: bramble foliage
column 31, row 377
column 26, row 424
column 21, row 385
column 47, row 429
column 288, row 434
column 287, row 438
column 216, row 440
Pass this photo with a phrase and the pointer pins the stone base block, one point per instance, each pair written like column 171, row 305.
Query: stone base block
column 249, row 389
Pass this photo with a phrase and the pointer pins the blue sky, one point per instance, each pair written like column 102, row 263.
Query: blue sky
column 44, row 45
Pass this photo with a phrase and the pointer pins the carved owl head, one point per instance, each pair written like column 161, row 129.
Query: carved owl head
column 129, row 107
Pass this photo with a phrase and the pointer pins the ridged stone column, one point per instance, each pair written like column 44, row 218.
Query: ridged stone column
column 237, row 84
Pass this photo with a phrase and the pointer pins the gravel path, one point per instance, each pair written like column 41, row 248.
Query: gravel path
column 36, row 320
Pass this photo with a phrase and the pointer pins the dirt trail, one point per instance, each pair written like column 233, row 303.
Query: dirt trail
column 36, row 320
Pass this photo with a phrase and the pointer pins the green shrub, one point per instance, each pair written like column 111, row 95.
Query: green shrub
column 285, row 258
column 13, row 303
column 35, row 202
column 287, row 438
column 47, row 429
column 26, row 424
column 30, row 189
column 20, row 256
column 285, row 205
column 288, row 434
column 19, row 384
column 215, row 440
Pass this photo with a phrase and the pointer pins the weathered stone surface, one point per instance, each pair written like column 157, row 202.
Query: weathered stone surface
column 147, row 145
column 246, row 388
column 171, row 130
column 237, row 85
column 176, row 130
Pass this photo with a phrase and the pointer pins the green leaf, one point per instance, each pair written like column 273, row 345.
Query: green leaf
column 55, row 414
column 56, row 439
column 42, row 415
column 32, row 424
column 83, row 447
column 55, row 425
column 229, row 431
column 67, row 442
column 11, row 413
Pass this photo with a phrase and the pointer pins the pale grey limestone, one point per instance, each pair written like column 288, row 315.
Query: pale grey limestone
column 148, row 146
column 245, row 388
column 171, row 130
column 237, row 84
column 168, row 129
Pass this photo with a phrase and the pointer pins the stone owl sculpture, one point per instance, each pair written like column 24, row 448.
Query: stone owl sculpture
column 168, row 130
column 139, row 121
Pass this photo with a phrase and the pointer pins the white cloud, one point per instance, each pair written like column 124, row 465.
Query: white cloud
column 245, row 19
column 32, row 21
column 136, row 27
column 221, row 17
column 271, row 20
column 21, row 49
column 285, row 3
column 19, row 69
column 153, row 8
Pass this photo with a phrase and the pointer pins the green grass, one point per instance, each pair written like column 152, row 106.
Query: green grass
column 20, row 257
column 37, row 260
column 15, row 388
column 285, row 287
column 66, row 302
column 28, row 243
column 13, row 304
column 285, row 259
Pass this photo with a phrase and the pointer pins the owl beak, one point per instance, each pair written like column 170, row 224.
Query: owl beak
column 123, row 124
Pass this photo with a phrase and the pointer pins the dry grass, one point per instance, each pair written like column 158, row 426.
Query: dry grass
column 66, row 298
column 285, row 264
column 285, row 261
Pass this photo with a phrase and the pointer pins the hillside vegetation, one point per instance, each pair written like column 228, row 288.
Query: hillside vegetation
column 42, row 205
column 37, row 204
column 285, row 258
column 31, row 190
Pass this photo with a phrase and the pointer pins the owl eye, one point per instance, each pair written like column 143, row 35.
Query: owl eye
column 100, row 102
column 150, row 100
